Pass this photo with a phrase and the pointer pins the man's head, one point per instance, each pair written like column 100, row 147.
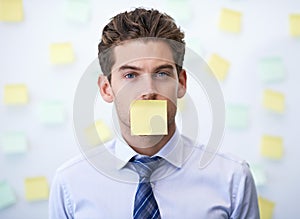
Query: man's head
column 141, row 56
column 140, row 24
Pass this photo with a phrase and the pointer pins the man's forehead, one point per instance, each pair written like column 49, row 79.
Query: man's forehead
column 137, row 51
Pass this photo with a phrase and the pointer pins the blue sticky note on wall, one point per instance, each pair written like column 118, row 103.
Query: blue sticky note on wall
column 271, row 69
column 7, row 196
column 14, row 143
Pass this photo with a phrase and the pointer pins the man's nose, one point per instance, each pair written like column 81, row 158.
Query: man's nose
column 149, row 88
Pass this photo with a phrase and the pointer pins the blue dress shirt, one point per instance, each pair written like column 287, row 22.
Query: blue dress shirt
column 102, row 184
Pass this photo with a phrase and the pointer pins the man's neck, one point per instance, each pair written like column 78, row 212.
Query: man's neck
column 148, row 144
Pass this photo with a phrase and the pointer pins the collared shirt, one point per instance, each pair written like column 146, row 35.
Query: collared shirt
column 102, row 184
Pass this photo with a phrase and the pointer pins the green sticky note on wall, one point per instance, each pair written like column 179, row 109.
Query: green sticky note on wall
column 271, row 69
column 51, row 112
column 78, row 10
column 195, row 44
column 180, row 9
column 7, row 196
column 14, row 143
column 237, row 116
column 259, row 175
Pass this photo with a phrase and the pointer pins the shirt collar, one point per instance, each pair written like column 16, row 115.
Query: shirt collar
column 171, row 152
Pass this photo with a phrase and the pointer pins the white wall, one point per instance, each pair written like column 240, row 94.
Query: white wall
column 24, row 58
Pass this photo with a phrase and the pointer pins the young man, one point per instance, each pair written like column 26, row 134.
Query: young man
column 141, row 56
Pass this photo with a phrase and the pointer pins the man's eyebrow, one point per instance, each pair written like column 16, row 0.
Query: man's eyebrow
column 131, row 67
column 165, row 66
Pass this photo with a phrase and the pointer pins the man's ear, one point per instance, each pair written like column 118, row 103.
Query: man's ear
column 105, row 89
column 182, row 84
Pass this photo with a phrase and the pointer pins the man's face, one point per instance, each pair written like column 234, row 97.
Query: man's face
column 145, row 71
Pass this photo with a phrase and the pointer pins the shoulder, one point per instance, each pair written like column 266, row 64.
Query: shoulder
column 213, row 159
column 72, row 163
column 82, row 163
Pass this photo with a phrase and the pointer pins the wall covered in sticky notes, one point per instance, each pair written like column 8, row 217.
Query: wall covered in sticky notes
column 252, row 47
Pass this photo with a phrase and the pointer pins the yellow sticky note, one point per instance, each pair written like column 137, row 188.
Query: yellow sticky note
column 295, row 25
column 274, row 101
column 61, row 53
column 148, row 117
column 230, row 20
column 272, row 146
column 15, row 94
column 219, row 66
column 266, row 208
column 181, row 104
column 11, row 10
column 36, row 188
column 98, row 133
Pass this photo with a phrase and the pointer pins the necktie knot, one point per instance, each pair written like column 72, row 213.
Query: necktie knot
column 145, row 166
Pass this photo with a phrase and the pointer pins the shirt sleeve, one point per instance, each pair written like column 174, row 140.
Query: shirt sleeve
column 245, row 200
column 60, row 205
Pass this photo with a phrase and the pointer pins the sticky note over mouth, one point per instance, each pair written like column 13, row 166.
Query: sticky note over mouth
column 148, row 117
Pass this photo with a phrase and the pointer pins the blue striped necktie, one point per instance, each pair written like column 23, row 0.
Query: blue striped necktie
column 145, row 205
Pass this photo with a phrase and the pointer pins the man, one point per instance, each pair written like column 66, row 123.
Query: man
column 156, row 173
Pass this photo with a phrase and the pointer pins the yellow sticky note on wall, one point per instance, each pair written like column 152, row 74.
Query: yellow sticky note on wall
column 11, row 10
column 181, row 102
column 295, row 25
column 219, row 66
column 15, row 94
column 230, row 20
column 148, row 117
column 36, row 188
column 61, row 53
column 98, row 133
column 272, row 147
column 266, row 208
column 274, row 101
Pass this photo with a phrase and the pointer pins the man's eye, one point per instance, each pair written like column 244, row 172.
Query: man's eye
column 130, row 75
column 162, row 74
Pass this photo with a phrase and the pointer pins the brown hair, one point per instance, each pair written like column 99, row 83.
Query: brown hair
column 140, row 23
